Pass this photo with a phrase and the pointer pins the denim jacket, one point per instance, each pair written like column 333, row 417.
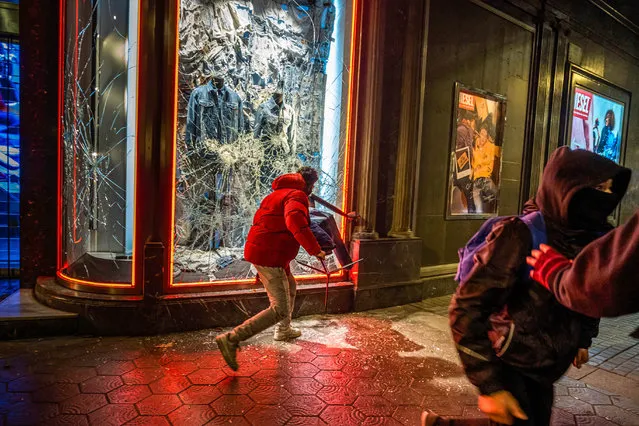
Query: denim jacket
column 213, row 114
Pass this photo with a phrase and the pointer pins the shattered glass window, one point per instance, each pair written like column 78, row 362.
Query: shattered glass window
column 98, row 139
column 262, row 87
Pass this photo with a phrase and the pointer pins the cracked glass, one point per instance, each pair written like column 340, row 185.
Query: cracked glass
column 98, row 139
column 262, row 92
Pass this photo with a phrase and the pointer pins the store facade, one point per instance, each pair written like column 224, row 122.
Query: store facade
column 173, row 118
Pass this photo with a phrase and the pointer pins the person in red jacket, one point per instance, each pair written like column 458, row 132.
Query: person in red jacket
column 599, row 282
column 280, row 226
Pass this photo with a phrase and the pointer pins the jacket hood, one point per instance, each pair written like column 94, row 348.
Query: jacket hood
column 569, row 171
column 289, row 181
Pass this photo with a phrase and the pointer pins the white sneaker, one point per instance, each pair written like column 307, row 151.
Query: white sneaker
column 287, row 333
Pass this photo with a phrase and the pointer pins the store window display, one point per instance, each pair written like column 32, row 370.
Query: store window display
column 98, row 108
column 260, row 96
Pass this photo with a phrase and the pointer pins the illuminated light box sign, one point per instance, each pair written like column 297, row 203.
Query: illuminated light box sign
column 597, row 123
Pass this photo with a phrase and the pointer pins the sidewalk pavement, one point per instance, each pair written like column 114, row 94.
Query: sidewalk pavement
column 371, row 368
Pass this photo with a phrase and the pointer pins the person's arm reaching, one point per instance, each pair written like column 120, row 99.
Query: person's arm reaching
column 601, row 280
column 297, row 221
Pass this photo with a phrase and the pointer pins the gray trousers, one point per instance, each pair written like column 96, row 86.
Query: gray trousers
column 281, row 288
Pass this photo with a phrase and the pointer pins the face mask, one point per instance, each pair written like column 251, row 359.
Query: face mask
column 590, row 208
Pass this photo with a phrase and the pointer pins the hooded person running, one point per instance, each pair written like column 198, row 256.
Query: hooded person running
column 513, row 337
column 280, row 226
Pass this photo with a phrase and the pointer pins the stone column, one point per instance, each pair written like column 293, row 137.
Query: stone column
column 408, row 141
column 368, row 116
column 39, row 22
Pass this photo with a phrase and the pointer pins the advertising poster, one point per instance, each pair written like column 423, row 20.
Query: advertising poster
column 476, row 154
column 597, row 124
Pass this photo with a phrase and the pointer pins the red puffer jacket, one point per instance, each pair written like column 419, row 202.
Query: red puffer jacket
column 281, row 225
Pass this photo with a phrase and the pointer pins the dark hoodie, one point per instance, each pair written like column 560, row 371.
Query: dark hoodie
column 498, row 316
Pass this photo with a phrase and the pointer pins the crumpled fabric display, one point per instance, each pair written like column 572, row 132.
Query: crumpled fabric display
column 258, row 48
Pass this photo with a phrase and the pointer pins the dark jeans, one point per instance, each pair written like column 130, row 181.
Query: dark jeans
column 465, row 185
column 534, row 398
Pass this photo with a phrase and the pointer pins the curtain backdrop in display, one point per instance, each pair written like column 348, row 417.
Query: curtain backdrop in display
column 476, row 153
column 260, row 89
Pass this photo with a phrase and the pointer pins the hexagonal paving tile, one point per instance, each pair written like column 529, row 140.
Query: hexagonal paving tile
column 328, row 363
column 303, row 369
column 113, row 414
column 403, row 396
column 303, row 386
column 590, row 396
column 236, row 385
column 74, row 375
column 68, row 419
column 232, row 405
column 267, row 362
column 319, row 349
column 213, row 360
column 306, row 421
column 142, row 376
column 561, row 418
column 147, row 362
column 364, row 371
column 30, row 383
column 200, row 394
column 270, row 377
column 616, row 414
column 245, row 370
column 31, row 413
column 332, row 378
column 126, row 354
column 408, row 414
column 573, row 406
column 101, row 384
column 381, row 421
column 269, row 395
column 129, row 394
column 374, row 406
column 229, row 420
column 585, row 421
column 56, row 392
column 192, row 415
column 342, row 416
column 304, row 405
column 149, row 421
column 170, row 384
column 115, row 368
column 268, row 415
column 181, row 368
column 302, row 355
column 363, row 386
column 206, row 376
column 337, row 395
column 83, row 403
column 159, row 405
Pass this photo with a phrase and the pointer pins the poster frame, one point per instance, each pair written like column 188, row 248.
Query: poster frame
column 579, row 77
column 500, row 132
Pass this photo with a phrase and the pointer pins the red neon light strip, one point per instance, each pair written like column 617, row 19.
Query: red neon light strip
column 75, row 124
column 173, row 163
column 347, row 159
column 65, row 277
column 349, row 113
column 61, row 61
